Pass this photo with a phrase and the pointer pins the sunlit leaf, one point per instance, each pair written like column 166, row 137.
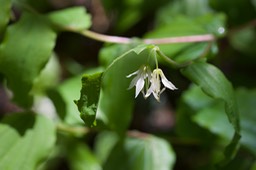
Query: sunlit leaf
column 26, row 140
column 144, row 152
column 74, row 18
column 22, row 62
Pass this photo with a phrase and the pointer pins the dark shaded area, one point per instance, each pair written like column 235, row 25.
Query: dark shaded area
column 21, row 122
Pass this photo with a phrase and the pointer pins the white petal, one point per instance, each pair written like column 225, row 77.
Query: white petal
column 133, row 82
column 149, row 91
column 139, row 86
column 157, row 96
column 166, row 82
column 136, row 72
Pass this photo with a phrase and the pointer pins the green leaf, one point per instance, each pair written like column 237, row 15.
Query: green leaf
column 26, row 140
column 63, row 96
column 22, row 62
column 246, row 102
column 192, row 101
column 212, row 117
column 81, row 158
column 88, row 102
column 213, row 82
column 243, row 39
column 74, row 18
column 234, row 9
column 5, row 13
column 105, row 142
column 116, row 101
column 141, row 152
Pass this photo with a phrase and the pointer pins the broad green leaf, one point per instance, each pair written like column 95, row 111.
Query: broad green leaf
column 74, row 18
column 88, row 102
column 49, row 77
column 26, row 140
column 213, row 82
column 81, row 158
column 116, row 101
column 5, row 13
column 141, row 152
column 105, row 141
column 212, row 118
column 191, row 102
column 23, row 54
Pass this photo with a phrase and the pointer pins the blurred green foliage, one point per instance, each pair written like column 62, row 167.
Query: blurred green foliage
column 207, row 123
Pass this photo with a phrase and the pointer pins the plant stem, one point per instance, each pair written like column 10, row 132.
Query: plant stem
column 168, row 40
column 77, row 131
column 171, row 62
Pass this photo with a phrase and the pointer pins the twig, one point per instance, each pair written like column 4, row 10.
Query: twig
column 168, row 40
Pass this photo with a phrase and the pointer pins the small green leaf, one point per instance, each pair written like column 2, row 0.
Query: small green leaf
column 26, row 140
column 22, row 62
column 213, row 82
column 88, row 102
column 75, row 19
column 116, row 101
column 5, row 13
column 145, row 152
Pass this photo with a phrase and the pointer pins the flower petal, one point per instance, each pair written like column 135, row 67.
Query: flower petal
column 139, row 86
column 136, row 72
column 133, row 82
column 166, row 82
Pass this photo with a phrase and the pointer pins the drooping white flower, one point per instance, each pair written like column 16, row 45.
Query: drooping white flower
column 155, row 86
column 143, row 75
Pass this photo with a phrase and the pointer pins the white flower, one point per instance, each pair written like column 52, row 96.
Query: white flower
column 143, row 75
column 155, row 86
